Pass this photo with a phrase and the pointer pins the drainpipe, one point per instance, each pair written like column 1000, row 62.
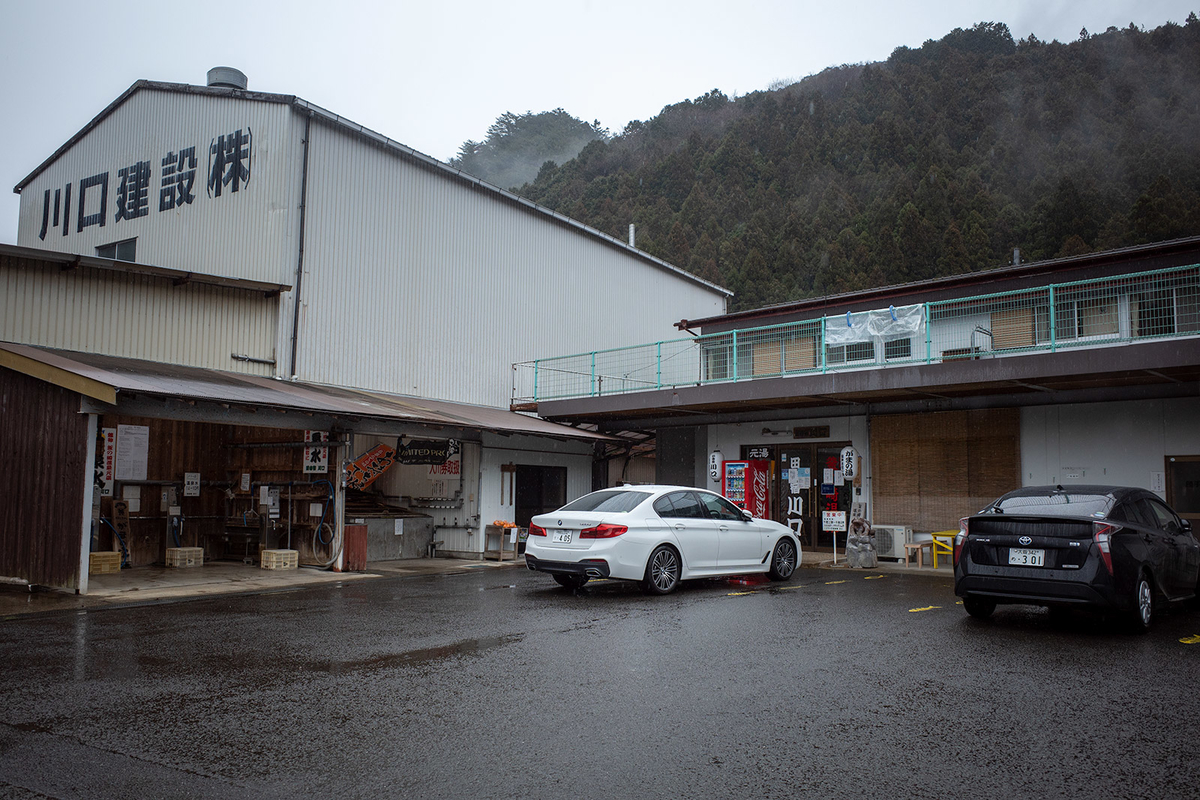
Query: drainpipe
column 300, row 256
column 89, row 487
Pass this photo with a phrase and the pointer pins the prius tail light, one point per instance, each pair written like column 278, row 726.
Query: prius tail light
column 1102, row 532
column 961, row 539
column 603, row 531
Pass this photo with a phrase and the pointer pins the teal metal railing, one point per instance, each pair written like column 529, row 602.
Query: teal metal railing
column 1101, row 312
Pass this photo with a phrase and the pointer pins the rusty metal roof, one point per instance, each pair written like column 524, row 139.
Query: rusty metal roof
column 105, row 377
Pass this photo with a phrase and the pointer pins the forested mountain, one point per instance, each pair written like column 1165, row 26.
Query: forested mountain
column 942, row 159
column 518, row 145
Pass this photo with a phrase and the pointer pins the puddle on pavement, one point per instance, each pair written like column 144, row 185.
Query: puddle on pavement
column 416, row 657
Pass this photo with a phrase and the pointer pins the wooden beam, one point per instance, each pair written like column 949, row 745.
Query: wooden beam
column 65, row 379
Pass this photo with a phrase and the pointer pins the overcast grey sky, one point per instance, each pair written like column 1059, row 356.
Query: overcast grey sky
column 432, row 75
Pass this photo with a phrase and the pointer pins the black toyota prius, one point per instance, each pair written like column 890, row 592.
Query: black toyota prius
column 1110, row 548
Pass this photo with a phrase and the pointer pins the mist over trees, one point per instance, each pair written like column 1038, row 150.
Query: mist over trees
column 518, row 145
column 940, row 160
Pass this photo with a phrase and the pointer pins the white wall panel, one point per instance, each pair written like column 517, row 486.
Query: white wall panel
column 419, row 284
column 249, row 234
column 532, row 451
column 1118, row 443
column 136, row 316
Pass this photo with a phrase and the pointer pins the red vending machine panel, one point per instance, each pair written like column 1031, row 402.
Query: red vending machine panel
column 745, row 484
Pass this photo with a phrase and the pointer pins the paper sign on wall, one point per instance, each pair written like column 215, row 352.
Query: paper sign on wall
column 191, row 484
column 133, row 450
column 132, row 495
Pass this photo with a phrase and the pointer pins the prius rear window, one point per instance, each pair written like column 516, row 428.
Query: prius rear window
column 1059, row 504
column 618, row 500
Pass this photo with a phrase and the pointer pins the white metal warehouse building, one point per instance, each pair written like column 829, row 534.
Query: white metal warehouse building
column 254, row 234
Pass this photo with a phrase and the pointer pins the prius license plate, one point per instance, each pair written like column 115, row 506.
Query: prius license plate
column 1022, row 557
column 562, row 536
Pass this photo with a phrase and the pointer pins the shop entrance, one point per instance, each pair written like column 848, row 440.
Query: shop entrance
column 799, row 488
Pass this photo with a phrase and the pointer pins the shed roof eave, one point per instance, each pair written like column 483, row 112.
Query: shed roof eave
column 104, row 378
column 178, row 276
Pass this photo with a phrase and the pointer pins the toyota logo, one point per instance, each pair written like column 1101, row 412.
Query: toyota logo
column 1025, row 540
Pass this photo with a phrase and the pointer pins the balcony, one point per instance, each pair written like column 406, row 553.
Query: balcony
column 1105, row 312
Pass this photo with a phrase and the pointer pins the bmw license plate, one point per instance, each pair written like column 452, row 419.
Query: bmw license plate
column 562, row 536
column 1022, row 557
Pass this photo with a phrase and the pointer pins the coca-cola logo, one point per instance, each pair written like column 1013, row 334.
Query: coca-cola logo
column 760, row 494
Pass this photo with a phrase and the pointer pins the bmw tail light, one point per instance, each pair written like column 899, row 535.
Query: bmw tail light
column 961, row 539
column 536, row 530
column 1102, row 532
column 602, row 531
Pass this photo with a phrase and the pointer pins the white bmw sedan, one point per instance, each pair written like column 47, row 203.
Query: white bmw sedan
column 658, row 536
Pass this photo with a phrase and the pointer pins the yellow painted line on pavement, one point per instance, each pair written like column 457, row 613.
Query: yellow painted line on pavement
column 926, row 608
column 740, row 594
column 874, row 577
column 959, row 603
column 785, row 588
column 1190, row 639
column 831, row 583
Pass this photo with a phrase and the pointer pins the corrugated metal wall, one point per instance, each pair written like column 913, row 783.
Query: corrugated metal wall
column 249, row 234
column 418, row 284
column 135, row 316
column 44, row 440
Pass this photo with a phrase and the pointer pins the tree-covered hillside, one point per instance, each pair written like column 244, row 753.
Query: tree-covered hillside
column 940, row 160
column 518, row 145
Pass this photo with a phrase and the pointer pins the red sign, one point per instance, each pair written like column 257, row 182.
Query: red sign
column 364, row 470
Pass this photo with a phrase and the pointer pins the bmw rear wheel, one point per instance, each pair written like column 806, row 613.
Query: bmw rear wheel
column 570, row 581
column 662, row 571
column 783, row 561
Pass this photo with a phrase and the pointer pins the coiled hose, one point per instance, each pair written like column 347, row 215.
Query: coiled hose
column 319, row 532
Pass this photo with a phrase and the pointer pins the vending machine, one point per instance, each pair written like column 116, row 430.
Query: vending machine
column 746, row 484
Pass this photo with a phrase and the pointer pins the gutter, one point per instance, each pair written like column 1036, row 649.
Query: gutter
column 300, row 249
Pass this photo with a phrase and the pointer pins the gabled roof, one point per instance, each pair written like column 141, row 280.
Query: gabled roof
column 354, row 129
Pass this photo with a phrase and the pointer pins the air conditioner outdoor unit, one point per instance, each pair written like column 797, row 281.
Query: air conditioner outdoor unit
column 890, row 540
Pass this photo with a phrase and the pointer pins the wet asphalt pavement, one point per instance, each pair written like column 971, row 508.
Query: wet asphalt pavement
column 500, row 684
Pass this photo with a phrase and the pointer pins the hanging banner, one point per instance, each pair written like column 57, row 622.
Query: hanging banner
column 366, row 469
column 425, row 451
column 316, row 459
column 108, row 461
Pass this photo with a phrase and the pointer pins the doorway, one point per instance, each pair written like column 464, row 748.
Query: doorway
column 1183, row 486
column 800, row 490
column 539, row 490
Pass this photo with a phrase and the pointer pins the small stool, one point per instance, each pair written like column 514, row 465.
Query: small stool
column 919, row 548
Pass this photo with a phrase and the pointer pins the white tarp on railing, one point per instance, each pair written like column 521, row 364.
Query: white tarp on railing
column 893, row 322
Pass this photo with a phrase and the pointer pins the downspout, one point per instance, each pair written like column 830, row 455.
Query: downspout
column 300, row 256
